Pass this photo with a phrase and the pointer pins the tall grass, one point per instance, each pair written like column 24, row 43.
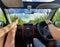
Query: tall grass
column 56, row 16
column 2, row 18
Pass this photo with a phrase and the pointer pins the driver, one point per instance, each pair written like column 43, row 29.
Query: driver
column 55, row 32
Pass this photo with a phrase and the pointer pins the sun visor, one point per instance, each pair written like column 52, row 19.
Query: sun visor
column 49, row 5
column 12, row 3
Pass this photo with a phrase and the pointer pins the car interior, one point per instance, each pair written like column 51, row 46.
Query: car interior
column 31, row 20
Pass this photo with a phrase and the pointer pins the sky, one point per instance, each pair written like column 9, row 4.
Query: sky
column 11, row 11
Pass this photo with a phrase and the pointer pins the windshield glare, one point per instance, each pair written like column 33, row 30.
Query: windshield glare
column 38, row 0
column 31, row 16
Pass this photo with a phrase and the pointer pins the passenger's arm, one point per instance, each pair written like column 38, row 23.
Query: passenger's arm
column 55, row 32
column 7, row 29
column 10, row 40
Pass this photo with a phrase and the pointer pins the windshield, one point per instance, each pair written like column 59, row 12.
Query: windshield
column 30, row 16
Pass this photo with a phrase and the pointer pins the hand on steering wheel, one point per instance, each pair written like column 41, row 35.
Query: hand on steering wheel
column 43, row 29
column 48, row 21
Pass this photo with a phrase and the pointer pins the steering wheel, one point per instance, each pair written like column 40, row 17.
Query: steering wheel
column 44, row 31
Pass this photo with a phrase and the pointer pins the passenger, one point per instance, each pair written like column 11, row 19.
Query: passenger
column 10, row 39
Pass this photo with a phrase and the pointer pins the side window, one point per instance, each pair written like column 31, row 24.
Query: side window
column 56, row 18
column 2, row 17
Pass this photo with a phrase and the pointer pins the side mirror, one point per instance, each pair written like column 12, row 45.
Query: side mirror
column 1, row 24
column 57, row 23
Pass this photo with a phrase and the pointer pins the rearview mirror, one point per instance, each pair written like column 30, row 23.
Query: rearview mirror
column 57, row 23
column 1, row 24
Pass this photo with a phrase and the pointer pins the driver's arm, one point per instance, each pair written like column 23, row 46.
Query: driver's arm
column 55, row 32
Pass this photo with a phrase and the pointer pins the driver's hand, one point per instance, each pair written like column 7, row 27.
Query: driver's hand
column 48, row 21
